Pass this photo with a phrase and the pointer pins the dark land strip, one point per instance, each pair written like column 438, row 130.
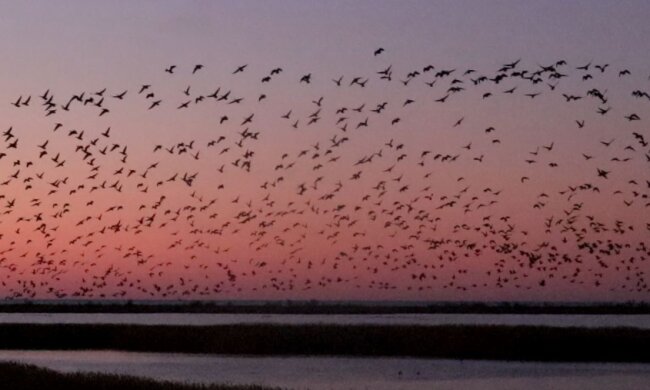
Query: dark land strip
column 324, row 307
column 520, row 343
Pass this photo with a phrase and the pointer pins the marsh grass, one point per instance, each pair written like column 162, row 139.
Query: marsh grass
column 16, row 376
column 523, row 343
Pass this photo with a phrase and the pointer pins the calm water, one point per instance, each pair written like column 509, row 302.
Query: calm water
column 332, row 373
column 589, row 320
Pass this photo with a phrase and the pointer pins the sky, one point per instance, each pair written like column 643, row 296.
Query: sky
column 489, row 151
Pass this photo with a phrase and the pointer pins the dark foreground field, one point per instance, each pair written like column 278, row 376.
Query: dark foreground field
column 524, row 343
column 16, row 376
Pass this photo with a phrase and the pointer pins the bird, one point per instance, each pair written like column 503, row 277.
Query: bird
column 240, row 69
column 603, row 173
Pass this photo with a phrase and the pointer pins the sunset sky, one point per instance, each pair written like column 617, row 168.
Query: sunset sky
column 491, row 151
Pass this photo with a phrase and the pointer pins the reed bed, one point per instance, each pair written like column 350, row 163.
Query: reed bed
column 17, row 376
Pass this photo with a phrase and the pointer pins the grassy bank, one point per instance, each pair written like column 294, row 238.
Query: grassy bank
column 525, row 343
column 16, row 376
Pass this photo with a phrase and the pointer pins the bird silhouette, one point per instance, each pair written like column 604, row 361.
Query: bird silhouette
column 410, row 185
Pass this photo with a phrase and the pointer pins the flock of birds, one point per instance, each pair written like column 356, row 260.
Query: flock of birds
column 390, row 183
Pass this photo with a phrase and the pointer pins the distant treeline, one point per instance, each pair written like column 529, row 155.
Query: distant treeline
column 27, row 377
column 324, row 307
column 522, row 343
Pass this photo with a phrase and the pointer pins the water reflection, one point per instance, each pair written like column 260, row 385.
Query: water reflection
column 563, row 320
